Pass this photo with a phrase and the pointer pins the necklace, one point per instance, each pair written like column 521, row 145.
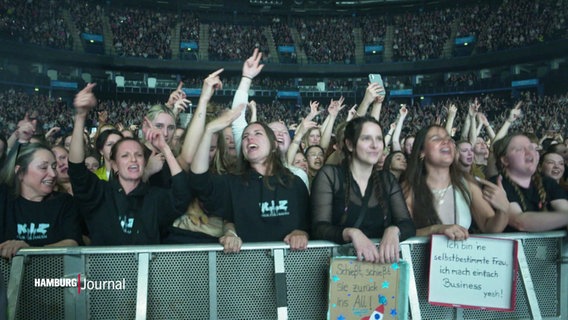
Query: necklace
column 440, row 194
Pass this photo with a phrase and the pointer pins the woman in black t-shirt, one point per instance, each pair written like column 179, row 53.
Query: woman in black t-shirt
column 537, row 203
column 31, row 213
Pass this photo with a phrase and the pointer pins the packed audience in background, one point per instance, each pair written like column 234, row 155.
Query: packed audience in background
column 539, row 117
column 419, row 35
column 142, row 33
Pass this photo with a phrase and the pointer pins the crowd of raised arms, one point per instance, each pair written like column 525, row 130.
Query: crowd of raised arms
column 417, row 35
column 347, row 174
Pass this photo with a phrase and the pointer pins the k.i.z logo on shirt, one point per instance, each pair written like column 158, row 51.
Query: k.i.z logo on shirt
column 126, row 224
column 273, row 209
column 32, row 232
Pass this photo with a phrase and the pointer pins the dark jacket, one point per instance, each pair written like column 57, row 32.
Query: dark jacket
column 259, row 214
column 115, row 218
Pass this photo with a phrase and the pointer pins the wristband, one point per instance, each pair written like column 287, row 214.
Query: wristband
column 296, row 142
column 233, row 233
column 247, row 77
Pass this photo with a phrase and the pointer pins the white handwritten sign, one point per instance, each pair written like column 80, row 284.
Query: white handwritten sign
column 478, row 273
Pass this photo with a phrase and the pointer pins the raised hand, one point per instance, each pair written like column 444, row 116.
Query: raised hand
column 403, row 111
column 252, row 66
column 154, row 135
column 52, row 131
column 473, row 108
column 352, row 113
column 336, row 106
column 26, row 129
column 314, row 112
column 102, row 117
column 225, row 119
column 176, row 95
column 452, row 110
column 515, row 112
column 85, row 100
column 211, row 84
column 495, row 194
column 374, row 93
column 181, row 105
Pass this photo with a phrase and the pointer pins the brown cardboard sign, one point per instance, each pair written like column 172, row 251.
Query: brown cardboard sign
column 364, row 290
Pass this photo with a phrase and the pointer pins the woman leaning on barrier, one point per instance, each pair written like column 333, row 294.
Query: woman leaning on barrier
column 353, row 202
column 263, row 201
column 31, row 213
column 125, row 210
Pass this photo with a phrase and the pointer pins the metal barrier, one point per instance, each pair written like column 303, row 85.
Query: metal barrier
column 263, row 281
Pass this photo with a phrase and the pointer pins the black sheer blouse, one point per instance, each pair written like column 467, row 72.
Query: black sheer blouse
column 331, row 213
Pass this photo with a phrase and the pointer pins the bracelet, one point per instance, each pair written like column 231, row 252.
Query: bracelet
column 247, row 77
column 232, row 233
column 296, row 142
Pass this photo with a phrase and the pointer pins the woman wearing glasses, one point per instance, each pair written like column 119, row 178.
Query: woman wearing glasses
column 316, row 159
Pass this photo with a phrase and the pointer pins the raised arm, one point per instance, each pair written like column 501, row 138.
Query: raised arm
column 377, row 106
column 253, row 112
column 175, row 98
column 84, row 101
column 333, row 110
column 403, row 112
column 24, row 132
column 251, row 68
column 304, row 127
column 452, row 111
column 197, row 124
column 200, row 162
column 388, row 137
column 514, row 114
column 472, row 113
column 371, row 94
column 483, row 119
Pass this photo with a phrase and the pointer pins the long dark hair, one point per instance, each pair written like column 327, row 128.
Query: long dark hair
column 275, row 165
column 101, row 140
column 351, row 135
column 414, row 182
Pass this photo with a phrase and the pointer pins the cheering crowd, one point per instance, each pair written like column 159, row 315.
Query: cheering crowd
column 342, row 173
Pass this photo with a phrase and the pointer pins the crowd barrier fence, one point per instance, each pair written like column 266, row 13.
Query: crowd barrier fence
column 263, row 281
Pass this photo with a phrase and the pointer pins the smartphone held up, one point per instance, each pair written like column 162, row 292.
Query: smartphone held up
column 376, row 78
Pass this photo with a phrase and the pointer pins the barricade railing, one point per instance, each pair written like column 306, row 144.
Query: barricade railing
column 263, row 281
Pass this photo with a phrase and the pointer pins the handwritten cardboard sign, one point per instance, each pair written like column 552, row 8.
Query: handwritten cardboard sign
column 478, row 273
column 364, row 290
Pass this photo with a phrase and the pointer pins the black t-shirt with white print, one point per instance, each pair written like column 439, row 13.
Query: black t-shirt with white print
column 51, row 220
